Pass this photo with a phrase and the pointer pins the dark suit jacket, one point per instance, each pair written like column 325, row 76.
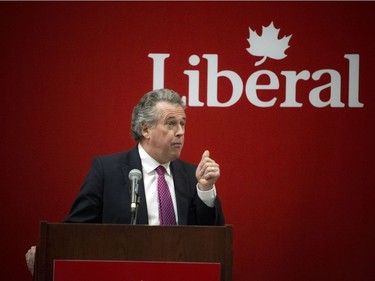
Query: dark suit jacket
column 105, row 194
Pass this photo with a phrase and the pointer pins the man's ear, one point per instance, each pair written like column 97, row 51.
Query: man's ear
column 145, row 131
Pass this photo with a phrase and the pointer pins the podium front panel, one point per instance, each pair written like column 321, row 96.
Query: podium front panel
column 136, row 243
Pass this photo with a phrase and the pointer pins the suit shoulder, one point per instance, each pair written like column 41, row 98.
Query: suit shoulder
column 121, row 154
column 127, row 156
column 112, row 156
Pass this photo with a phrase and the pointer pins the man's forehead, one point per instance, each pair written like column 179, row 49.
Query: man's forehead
column 169, row 110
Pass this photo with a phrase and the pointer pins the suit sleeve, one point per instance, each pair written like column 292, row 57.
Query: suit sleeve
column 87, row 207
column 205, row 215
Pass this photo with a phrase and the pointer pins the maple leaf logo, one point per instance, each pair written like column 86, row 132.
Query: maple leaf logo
column 267, row 45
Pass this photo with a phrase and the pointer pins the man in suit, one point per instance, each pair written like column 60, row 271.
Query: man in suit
column 158, row 125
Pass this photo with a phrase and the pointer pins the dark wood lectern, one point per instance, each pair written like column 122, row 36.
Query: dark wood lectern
column 207, row 244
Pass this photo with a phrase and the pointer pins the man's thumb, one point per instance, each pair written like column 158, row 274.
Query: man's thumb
column 205, row 154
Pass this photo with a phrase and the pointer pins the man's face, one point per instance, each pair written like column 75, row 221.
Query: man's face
column 165, row 140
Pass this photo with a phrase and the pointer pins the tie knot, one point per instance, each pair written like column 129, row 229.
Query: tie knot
column 160, row 170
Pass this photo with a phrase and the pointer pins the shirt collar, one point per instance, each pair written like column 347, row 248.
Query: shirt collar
column 149, row 164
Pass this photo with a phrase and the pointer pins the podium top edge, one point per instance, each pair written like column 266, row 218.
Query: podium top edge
column 45, row 223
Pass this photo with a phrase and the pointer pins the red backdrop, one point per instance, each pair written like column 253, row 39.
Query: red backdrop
column 297, row 183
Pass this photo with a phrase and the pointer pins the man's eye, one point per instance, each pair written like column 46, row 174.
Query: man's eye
column 171, row 123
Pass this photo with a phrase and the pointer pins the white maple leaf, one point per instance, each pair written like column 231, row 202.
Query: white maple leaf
column 267, row 45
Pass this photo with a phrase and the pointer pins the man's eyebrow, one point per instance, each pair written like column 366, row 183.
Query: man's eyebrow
column 170, row 117
column 174, row 117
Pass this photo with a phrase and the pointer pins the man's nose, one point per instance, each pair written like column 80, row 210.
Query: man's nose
column 180, row 130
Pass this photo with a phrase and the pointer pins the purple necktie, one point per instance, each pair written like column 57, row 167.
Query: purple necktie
column 166, row 211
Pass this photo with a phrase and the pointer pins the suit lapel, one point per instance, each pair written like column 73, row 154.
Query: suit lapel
column 180, row 180
column 133, row 161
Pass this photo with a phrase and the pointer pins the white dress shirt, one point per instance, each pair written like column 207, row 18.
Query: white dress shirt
column 150, row 183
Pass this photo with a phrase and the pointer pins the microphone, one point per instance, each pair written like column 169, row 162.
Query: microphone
column 134, row 175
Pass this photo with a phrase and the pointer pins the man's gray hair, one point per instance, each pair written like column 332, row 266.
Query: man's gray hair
column 145, row 111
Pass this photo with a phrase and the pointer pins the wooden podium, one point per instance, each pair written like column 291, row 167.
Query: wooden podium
column 111, row 242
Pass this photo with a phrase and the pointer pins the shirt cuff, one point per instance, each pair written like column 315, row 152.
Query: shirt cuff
column 208, row 197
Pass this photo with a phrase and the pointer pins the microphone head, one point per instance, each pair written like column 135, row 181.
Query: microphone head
column 135, row 174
